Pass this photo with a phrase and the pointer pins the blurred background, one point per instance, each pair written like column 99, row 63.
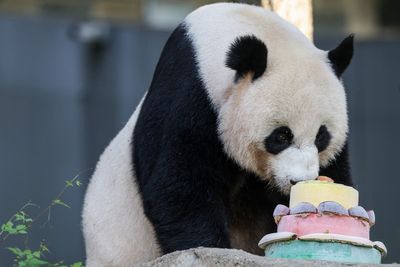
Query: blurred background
column 72, row 72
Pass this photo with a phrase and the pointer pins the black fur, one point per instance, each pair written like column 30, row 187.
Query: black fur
column 192, row 193
column 247, row 54
column 322, row 139
column 280, row 139
column 340, row 57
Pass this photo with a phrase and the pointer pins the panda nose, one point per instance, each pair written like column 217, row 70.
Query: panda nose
column 293, row 182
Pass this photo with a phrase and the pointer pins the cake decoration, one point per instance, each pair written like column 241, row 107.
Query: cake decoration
column 303, row 207
column 359, row 212
column 317, row 191
column 323, row 221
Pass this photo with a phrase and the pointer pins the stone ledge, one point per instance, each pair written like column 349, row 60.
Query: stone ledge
column 204, row 257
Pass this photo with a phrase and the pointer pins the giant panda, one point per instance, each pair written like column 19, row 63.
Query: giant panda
column 241, row 107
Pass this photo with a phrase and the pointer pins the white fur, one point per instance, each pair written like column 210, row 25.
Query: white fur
column 116, row 231
column 296, row 164
column 298, row 89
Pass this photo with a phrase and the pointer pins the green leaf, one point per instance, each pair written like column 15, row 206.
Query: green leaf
column 60, row 202
column 36, row 254
column 20, row 227
column 77, row 264
column 69, row 183
column 16, row 251
column 19, row 217
column 78, row 183
column 33, row 262
column 7, row 226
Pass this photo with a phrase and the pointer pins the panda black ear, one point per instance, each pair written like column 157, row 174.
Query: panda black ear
column 340, row 57
column 247, row 54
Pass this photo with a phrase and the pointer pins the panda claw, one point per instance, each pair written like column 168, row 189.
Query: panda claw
column 303, row 207
column 371, row 216
column 332, row 207
column 359, row 211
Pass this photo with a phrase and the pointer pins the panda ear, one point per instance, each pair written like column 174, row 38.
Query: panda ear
column 340, row 57
column 247, row 54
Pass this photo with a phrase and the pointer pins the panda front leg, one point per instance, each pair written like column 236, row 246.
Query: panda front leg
column 185, row 209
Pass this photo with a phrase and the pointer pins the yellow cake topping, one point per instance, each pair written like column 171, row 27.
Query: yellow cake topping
column 317, row 191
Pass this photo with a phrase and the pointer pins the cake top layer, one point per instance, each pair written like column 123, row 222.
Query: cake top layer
column 324, row 189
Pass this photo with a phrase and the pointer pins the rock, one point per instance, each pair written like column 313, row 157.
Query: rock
column 210, row 257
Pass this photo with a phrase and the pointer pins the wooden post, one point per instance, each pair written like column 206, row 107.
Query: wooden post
column 298, row 12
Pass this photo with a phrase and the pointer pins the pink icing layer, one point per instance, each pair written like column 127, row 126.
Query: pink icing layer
column 303, row 224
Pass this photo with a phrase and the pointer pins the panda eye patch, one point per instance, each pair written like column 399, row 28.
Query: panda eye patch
column 280, row 139
column 322, row 139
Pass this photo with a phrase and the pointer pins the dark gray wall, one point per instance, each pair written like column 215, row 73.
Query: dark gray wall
column 374, row 99
column 61, row 102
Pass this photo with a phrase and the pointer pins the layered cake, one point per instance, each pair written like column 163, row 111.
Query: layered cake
column 323, row 221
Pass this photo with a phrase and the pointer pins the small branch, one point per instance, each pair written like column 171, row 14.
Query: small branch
column 47, row 209
column 29, row 203
column 55, row 201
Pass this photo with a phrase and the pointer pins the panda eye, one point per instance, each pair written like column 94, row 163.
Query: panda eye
column 322, row 139
column 280, row 139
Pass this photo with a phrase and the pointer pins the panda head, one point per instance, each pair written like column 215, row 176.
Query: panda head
column 285, row 118
column 280, row 102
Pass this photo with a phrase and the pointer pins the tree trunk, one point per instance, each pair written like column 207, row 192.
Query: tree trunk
column 298, row 12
